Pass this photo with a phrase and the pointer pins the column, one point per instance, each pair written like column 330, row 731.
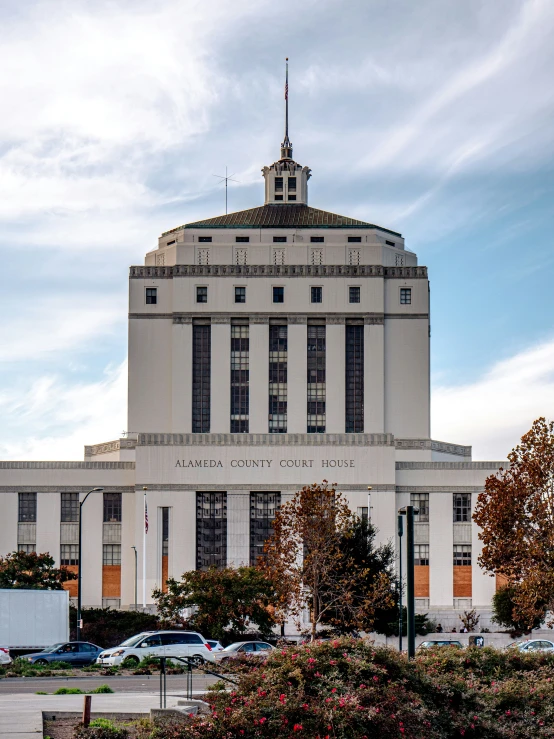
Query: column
column 221, row 377
column 48, row 524
column 484, row 586
column 181, row 378
column 441, row 548
column 296, row 378
column 91, row 577
column 374, row 379
column 182, row 533
column 128, row 540
column 238, row 528
column 335, row 378
column 8, row 530
column 259, row 377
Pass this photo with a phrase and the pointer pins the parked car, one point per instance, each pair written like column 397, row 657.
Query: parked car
column 255, row 649
column 534, row 645
column 77, row 653
column 429, row 644
column 158, row 644
column 215, row 645
column 5, row 658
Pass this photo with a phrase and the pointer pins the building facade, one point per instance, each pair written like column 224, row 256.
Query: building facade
column 268, row 349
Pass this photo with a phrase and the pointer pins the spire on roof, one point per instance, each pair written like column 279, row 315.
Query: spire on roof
column 286, row 146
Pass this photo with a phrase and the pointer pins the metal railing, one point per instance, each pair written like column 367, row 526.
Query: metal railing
column 190, row 662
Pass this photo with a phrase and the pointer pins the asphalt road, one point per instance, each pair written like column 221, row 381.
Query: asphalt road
column 120, row 684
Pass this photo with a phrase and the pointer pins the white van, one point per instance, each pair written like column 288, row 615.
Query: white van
column 158, row 644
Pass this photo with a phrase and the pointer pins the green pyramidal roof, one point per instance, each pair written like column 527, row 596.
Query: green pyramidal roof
column 282, row 216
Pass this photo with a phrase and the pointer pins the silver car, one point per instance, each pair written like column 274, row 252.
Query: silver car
column 254, row 649
column 534, row 645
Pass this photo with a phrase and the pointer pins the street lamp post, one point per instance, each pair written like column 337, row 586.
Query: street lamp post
column 401, row 584
column 94, row 490
column 136, row 577
column 409, row 511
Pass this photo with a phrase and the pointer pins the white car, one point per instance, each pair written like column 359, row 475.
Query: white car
column 534, row 645
column 158, row 644
column 250, row 649
column 5, row 658
column 215, row 645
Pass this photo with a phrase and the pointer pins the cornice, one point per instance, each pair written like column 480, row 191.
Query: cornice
column 451, row 465
column 110, row 446
column 369, row 319
column 439, row 489
column 67, row 466
column 63, row 488
column 436, row 446
column 145, row 439
column 276, row 270
column 242, row 490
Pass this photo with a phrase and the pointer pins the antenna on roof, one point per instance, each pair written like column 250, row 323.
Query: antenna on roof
column 226, row 179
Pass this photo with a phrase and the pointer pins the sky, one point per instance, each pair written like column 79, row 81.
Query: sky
column 431, row 118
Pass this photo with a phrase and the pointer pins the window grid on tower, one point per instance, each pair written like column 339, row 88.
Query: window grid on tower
column 316, row 380
column 353, row 257
column 240, row 375
column 203, row 256
column 421, row 502
column 69, row 507
column 201, row 377
column 354, row 385
column 27, row 507
column 317, row 257
column 461, row 504
column 211, row 530
column 262, row 514
column 278, row 354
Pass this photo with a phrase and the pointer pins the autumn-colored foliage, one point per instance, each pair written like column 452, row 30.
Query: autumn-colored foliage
column 34, row 571
column 516, row 515
column 312, row 568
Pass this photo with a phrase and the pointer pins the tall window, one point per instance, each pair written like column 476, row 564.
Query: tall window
column 278, row 352
column 421, row 502
column 201, row 377
column 112, row 509
column 354, row 370
column 111, row 554
column 202, row 294
column 27, row 504
column 421, row 554
column 278, row 184
column 240, row 390
column 405, row 296
column 165, row 532
column 70, row 507
column 462, row 555
column 354, row 294
column 69, row 554
column 262, row 514
column 461, row 507
column 278, row 294
column 316, row 380
column 211, row 530
column 240, row 295
column 151, row 295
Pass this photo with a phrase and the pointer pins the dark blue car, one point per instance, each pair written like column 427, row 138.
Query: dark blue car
column 76, row 653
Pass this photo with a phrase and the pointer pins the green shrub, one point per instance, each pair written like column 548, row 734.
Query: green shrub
column 107, row 627
column 101, row 728
column 102, row 689
column 68, row 691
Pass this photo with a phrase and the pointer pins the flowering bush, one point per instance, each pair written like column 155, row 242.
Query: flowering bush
column 349, row 689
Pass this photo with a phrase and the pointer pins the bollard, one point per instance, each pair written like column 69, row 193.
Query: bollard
column 86, row 711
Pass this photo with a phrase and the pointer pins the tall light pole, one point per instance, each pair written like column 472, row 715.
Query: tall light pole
column 136, row 577
column 409, row 511
column 79, row 573
column 401, row 584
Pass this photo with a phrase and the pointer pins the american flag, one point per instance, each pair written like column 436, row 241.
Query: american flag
column 145, row 517
column 286, row 90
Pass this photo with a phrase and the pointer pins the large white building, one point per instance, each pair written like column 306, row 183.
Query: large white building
column 268, row 349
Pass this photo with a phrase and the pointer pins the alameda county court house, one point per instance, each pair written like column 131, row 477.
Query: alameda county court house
column 268, row 349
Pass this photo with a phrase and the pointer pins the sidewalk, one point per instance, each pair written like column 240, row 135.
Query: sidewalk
column 21, row 714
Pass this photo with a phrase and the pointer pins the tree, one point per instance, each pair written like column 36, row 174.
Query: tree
column 107, row 627
column 33, row 571
column 357, row 545
column 304, row 557
column 226, row 602
column 516, row 515
column 504, row 608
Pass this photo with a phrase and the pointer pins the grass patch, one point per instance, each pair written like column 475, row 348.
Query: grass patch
column 78, row 691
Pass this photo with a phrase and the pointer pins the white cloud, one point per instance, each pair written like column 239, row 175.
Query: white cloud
column 493, row 412
column 48, row 326
column 51, row 420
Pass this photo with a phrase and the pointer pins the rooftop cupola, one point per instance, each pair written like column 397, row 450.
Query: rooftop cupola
column 286, row 182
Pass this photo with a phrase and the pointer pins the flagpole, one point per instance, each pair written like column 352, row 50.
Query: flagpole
column 144, row 552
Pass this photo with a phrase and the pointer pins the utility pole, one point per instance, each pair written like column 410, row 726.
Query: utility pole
column 409, row 511
column 400, row 582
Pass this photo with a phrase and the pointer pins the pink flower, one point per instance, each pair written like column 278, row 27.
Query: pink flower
column 282, row 698
column 263, row 720
column 334, row 690
column 297, row 727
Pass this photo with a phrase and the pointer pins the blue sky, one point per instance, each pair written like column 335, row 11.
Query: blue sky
column 430, row 118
